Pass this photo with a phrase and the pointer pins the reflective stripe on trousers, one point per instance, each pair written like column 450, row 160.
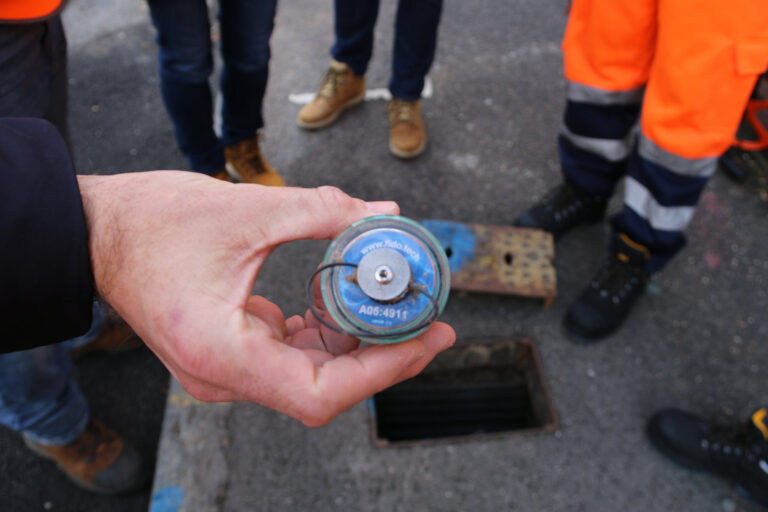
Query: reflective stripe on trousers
column 684, row 69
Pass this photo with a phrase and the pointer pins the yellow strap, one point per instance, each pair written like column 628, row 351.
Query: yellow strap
column 636, row 246
column 759, row 420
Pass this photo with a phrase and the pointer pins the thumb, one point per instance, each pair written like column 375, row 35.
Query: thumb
column 321, row 213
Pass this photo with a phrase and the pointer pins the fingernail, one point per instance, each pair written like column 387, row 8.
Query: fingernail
column 382, row 207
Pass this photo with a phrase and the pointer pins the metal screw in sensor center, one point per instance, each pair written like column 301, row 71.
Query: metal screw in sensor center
column 384, row 275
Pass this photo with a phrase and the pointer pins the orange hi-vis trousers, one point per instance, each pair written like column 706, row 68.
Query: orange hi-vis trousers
column 686, row 69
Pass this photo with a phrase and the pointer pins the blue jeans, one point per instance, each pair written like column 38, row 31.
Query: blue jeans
column 415, row 40
column 186, row 63
column 38, row 394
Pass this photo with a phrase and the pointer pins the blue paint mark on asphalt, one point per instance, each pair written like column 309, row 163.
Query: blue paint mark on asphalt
column 168, row 499
column 457, row 240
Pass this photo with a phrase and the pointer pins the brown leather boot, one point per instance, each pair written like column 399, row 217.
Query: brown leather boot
column 100, row 460
column 116, row 337
column 222, row 175
column 246, row 164
column 341, row 89
column 407, row 137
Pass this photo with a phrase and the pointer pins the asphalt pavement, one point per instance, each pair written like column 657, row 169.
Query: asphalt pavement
column 695, row 341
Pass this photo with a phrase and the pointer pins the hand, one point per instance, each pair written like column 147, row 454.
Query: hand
column 177, row 254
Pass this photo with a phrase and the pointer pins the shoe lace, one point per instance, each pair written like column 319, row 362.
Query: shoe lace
column 564, row 200
column 739, row 441
column 402, row 111
column 617, row 280
column 94, row 437
column 331, row 81
column 250, row 160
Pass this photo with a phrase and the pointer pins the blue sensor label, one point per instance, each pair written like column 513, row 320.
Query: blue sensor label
column 383, row 311
column 393, row 244
column 372, row 313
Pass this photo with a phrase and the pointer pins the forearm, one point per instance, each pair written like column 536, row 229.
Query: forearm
column 101, row 197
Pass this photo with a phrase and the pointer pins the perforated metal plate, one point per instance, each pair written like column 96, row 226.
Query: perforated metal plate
column 498, row 259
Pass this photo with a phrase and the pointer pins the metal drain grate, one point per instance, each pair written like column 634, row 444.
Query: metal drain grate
column 486, row 388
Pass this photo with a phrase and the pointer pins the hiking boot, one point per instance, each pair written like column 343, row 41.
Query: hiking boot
column 341, row 89
column 117, row 336
column 562, row 208
column 246, row 164
column 738, row 453
column 100, row 460
column 603, row 306
column 407, row 137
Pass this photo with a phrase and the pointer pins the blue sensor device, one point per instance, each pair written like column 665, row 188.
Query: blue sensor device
column 387, row 279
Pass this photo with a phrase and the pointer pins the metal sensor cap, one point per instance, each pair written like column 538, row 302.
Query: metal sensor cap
column 384, row 275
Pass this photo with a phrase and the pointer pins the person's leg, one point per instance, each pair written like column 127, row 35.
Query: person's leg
column 608, row 49
column 697, row 90
column 414, row 50
column 33, row 57
column 98, row 324
column 184, row 41
column 246, row 28
column 56, row 48
column 414, row 47
column 353, row 24
column 39, row 397
column 344, row 83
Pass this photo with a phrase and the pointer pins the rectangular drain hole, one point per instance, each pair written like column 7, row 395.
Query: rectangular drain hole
column 475, row 389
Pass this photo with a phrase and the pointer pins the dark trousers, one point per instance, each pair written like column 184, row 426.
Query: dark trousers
column 415, row 40
column 33, row 69
column 186, row 63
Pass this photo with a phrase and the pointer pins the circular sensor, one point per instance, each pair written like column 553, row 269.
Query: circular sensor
column 391, row 281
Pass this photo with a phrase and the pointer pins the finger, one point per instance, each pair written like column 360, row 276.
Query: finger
column 294, row 324
column 347, row 380
column 383, row 207
column 319, row 213
column 307, row 339
column 437, row 333
column 206, row 392
column 335, row 342
column 269, row 313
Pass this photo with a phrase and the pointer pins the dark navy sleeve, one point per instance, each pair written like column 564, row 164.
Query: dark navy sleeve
column 46, row 281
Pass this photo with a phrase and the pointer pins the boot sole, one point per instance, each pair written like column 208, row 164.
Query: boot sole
column 316, row 125
column 408, row 155
column 582, row 340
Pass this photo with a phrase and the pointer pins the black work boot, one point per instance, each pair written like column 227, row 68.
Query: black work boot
column 606, row 302
column 739, row 454
column 562, row 208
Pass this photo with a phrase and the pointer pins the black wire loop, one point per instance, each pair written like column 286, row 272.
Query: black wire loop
column 413, row 288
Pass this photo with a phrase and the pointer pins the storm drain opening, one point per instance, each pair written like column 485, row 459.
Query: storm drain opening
column 485, row 388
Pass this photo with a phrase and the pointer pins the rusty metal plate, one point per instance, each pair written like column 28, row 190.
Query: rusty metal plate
column 478, row 389
column 498, row 259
